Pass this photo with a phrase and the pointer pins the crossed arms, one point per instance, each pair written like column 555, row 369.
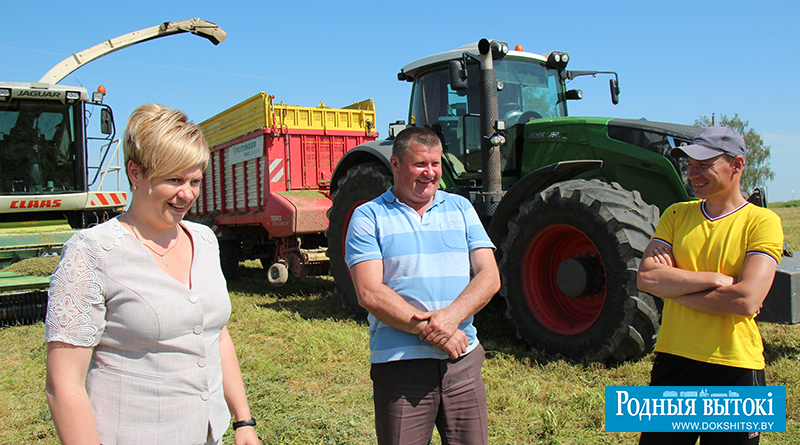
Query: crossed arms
column 710, row 292
column 439, row 328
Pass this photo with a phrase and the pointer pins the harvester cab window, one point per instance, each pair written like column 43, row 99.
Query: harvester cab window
column 36, row 148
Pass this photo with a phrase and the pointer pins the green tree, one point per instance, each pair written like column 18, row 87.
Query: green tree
column 756, row 172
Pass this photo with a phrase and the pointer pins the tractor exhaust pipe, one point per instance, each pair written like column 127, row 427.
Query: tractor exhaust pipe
column 491, row 139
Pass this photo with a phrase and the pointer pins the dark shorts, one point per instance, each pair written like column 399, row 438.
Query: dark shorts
column 672, row 370
column 411, row 396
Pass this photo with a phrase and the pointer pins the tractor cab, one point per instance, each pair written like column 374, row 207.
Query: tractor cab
column 526, row 89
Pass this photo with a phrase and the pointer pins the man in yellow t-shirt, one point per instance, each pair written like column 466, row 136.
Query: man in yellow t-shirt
column 713, row 262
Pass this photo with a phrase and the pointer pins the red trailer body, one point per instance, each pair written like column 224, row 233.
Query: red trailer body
column 265, row 191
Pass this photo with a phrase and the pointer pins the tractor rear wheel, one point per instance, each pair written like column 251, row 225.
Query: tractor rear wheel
column 362, row 183
column 569, row 264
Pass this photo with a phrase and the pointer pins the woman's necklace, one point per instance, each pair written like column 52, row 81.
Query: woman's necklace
column 161, row 255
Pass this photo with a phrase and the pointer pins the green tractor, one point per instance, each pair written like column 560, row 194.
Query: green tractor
column 570, row 202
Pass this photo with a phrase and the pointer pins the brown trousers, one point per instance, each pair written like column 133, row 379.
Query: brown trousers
column 411, row 396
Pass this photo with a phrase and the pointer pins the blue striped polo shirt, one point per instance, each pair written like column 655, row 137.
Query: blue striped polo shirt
column 425, row 260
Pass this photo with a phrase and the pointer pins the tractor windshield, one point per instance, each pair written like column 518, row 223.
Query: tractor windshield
column 38, row 147
column 527, row 90
column 524, row 86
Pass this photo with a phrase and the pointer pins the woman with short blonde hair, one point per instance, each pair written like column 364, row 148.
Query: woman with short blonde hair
column 161, row 140
column 138, row 348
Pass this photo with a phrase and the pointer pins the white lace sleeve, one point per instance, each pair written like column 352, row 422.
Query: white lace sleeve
column 76, row 305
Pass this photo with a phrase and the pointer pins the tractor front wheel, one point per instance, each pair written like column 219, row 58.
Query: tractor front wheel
column 569, row 264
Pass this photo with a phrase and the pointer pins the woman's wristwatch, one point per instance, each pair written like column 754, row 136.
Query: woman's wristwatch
column 248, row 422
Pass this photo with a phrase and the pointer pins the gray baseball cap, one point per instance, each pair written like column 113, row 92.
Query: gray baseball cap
column 712, row 142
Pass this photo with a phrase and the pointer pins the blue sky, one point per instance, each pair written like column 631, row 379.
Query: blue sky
column 676, row 60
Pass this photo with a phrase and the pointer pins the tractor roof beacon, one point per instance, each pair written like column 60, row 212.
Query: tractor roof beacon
column 571, row 202
column 48, row 190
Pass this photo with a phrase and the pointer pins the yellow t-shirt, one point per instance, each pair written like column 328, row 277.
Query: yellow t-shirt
column 700, row 243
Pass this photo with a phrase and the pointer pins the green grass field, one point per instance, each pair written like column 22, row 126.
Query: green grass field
column 306, row 368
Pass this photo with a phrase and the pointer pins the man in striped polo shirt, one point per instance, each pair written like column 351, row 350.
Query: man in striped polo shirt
column 411, row 254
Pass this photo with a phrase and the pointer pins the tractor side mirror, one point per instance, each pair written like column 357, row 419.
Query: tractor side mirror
column 106, row 121
column 614, row 91
column 458, row 75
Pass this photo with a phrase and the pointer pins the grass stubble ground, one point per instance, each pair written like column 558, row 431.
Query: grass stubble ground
column 305, row 361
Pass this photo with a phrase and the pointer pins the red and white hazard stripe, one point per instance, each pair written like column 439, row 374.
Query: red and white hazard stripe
column 107, row 199
column 276, row 170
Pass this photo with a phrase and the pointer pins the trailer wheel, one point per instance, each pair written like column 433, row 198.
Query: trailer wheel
column 569, row 264
column 229, row 258
column 278, row 274
column 362, row 183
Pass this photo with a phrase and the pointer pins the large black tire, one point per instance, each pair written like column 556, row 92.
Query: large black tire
column 569, row 264
column 23, row 307
column 362, row 183
column 229, row 258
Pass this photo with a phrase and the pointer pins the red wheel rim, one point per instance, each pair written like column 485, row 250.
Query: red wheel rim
column 556, row 311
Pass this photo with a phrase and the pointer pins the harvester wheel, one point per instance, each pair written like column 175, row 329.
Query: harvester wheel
column 362, row 183
column 22, row 307
column 568, row 266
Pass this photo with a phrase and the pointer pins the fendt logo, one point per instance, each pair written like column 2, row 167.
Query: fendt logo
column 35, row 203
column 34, row 93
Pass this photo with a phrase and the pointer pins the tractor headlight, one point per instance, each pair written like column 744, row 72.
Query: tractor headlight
column 557, row 59
column 73, row 96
